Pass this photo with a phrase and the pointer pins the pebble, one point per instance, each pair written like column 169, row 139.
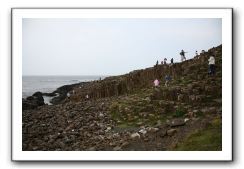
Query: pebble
column 135, row 135
column 143, row 131
column 171, row 132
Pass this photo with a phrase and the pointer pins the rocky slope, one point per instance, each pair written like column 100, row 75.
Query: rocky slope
column 127, row 113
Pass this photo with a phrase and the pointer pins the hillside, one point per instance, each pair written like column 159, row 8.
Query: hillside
column 127, row 113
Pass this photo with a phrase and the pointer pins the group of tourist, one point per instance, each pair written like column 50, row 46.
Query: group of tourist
column 167, row 80
column 164, row 62
column 211, row 63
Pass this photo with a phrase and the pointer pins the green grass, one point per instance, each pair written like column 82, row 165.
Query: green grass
column 180, row 112
column 131, row 117
column 209, row 139
column 200, row 114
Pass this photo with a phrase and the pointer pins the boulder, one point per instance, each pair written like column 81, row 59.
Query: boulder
column 152, row 129
column 143, row 131
column 33, row 101
column 177, row 122
column 135, row 136
column 171, row 132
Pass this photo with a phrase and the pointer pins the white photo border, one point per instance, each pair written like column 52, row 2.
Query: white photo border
column 16, row 51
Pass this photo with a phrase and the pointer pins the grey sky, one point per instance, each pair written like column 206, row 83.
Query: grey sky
column 111, row 46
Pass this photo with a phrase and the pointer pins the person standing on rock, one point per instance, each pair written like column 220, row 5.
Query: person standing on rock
column 182, row 54
column 171, row 61
column 165, row 61
column 211, row 62
column 156, row 83
column 167, row 79
column 196, row 53
column 156, row 64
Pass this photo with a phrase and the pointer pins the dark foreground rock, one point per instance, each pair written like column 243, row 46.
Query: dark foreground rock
column 33, row 101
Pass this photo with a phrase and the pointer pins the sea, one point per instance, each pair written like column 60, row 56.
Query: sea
column 48, row 84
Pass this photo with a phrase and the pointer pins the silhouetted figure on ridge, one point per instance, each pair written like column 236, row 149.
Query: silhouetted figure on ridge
column 165, row 61
column 182, row 54
column 156, row 64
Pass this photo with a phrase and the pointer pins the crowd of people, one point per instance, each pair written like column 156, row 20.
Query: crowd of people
column 167, row 79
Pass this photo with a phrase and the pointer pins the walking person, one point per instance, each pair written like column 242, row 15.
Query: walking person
column 167, row 79
column 156, row 83
column 211, row 62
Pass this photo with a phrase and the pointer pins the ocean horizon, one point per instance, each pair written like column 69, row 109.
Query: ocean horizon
column 48, row 84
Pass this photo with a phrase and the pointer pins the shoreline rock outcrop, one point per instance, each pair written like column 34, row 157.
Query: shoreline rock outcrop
column 33, row 101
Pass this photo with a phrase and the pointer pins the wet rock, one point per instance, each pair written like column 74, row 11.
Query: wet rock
column 33, row 101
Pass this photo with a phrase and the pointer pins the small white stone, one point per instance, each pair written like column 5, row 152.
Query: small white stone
column 186, row 119
column 135, row 135
column 143, row 131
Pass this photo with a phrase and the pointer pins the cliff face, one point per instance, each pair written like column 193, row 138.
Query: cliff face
column 127, row 113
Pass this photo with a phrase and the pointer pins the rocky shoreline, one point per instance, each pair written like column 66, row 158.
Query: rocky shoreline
column 57, row 96
column 127, row 113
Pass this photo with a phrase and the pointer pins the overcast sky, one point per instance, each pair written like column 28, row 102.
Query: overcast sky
column 111, row 46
